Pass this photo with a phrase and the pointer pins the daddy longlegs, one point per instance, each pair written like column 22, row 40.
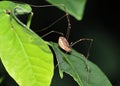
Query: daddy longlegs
column 63, row 40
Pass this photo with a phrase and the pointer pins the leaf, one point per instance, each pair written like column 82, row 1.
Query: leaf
column 26, row 57
column 1, row 79
column 73, row 7
column 75, row 64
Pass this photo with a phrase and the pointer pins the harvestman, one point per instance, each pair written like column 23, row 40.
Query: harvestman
column 63, row 41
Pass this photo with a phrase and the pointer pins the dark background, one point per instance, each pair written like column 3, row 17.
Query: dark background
column 100, row 22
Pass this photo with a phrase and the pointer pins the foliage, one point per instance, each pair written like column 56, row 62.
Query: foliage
column 73, row 7
column 83, row 71
column 28, row 59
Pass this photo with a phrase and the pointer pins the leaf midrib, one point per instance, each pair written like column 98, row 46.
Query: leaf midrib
column 24, row 51
column 73, row 68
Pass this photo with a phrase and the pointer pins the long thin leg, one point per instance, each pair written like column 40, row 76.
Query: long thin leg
column 68, row 27
column 51, row 24
column 66, row 15
column 52, row 32
column 29, row 19
column 46, row 5
column 84, row 39
column 86, row 62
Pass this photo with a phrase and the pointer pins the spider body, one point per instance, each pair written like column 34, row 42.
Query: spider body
column 63, row 43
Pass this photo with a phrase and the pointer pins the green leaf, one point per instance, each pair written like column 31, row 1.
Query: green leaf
column 26, row 57
column 75, row 64
column 73, row 7
column 1, row 79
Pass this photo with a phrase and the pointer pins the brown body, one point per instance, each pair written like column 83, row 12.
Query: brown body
column 63, row 43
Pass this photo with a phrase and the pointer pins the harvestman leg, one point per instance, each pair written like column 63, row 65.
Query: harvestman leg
column 51, row 32
column 66, row 15
column 86, row 62
column 84, row 39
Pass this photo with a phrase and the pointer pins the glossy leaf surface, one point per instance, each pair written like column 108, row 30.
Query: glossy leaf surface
column 84, row 72
column 73, row 7
column 26, row 57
